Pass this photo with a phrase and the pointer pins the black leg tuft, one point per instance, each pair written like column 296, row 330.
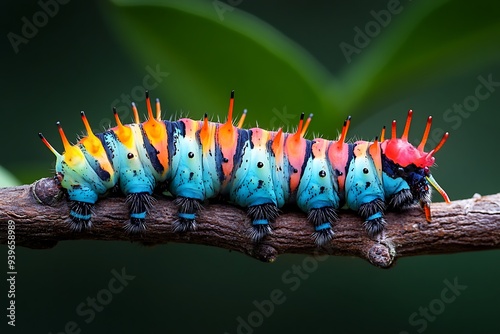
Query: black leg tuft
column 139, row 204
column 322, row 219
column 261, row 216
column 80, row 215
column 187, row 209
column 374, row 226
column 401, row 200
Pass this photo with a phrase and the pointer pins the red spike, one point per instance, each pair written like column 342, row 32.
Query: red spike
column 230, row 111
column 301, row 124
column 441, row 143
column 345, row 128
column 393, row 134
column 276, row 141
column 407, row 126
column 426, row 134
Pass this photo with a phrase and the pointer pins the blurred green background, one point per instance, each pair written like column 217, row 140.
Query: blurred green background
column 373, row 60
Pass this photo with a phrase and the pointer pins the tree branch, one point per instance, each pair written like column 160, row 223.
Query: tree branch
column 40, row 214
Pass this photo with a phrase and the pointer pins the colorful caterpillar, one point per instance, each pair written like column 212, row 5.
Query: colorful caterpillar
column 256, row 169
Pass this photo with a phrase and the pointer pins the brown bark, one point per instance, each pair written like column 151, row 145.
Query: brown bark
column 40, row 214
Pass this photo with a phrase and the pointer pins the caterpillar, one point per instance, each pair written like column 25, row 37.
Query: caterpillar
column 253, row 168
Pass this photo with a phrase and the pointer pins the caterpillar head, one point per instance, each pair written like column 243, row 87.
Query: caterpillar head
column 412, row 163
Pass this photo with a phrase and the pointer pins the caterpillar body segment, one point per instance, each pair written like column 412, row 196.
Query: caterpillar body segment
column 253, row 168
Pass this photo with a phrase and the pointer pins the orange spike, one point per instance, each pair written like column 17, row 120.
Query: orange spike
column 136, row 114
column 375, row 153
column 86, row 124
column 67, row 145
column 158, row 109
column 427, row 211
column 393, row 134
column 298, row 134
column 227, row 129
column 123, row 133
column 345, row 128
column 91, row 142
column 407, row 126
column 382, row 134
column 426, row 134
column 308, row 121
column 148, row 104
column 242, row 119
column 276, row 145
column 441, row 142
column 230, row 111
column 48, row 145
column 117, row 118
column 72, row 153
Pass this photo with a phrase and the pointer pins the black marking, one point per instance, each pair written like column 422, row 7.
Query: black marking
column 152, row 152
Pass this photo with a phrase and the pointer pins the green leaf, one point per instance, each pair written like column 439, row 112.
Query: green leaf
column 208, row 53
column 209, row 47
column 425, row 43
column 7, row 179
